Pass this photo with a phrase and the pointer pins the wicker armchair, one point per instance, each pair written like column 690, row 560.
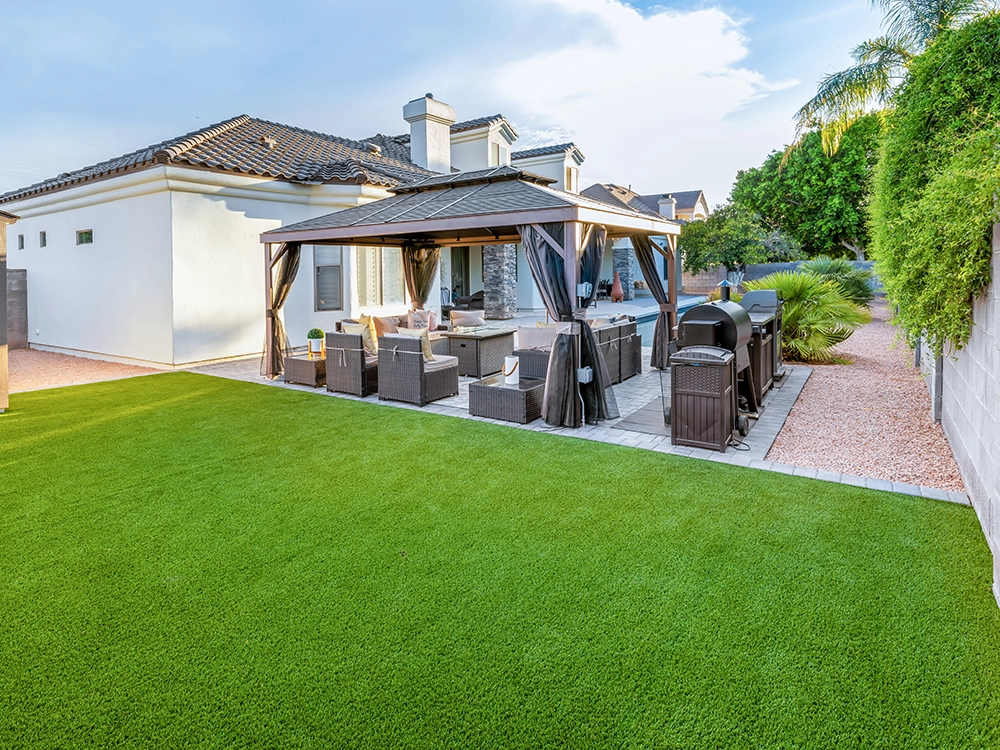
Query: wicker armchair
column 348, row 368
column 532, row 363
column 404, row 376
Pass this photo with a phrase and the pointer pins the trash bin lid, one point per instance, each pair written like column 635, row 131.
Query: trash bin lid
column 702, row 355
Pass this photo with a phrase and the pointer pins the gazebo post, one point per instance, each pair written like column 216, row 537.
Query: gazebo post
column 672, row 284
column 269, row 312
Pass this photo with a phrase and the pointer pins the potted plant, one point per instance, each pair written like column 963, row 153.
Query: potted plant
column 315, row 337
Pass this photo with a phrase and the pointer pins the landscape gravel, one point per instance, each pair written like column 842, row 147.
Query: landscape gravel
column 31, row 370
column 869, row 418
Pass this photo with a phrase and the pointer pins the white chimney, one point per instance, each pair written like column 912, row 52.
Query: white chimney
column 667, row 204
column 430, row 132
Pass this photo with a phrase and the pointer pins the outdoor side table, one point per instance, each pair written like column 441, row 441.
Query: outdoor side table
column 480, row 352
column 521, row 403
column 300, row 368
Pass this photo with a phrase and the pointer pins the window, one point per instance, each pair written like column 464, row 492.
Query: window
column 85, row 237
column 329, row 278
column 499, row 155
column 42, row 241
column 570, row 180
column 20, row 242
column 380, row 276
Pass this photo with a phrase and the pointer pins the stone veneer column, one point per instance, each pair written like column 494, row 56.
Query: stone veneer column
column 500, row 281
column 623, row 265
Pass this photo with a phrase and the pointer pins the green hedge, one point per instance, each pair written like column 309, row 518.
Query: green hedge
column 934, row 203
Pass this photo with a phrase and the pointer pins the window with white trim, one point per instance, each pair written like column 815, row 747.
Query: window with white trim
column 380, row 276
column 328, row 262
column 20, row 242
column 42, row 239
column 85, row 237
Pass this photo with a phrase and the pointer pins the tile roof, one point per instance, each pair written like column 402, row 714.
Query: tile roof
column 247, row 145
column 9, row 217
column 499, row 190
column 686, row 199
column 460, row 127
column 560, row 148
column 616, row 195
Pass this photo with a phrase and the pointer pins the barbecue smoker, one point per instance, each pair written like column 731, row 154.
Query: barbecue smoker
column 712, row 391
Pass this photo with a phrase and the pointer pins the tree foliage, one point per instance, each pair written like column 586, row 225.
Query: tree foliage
column 935, row 188
column 815, row 315
column 817, row 199
column 733, row 237
column 881, row 64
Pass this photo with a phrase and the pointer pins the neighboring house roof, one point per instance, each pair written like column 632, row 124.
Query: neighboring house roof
column 247, row 145
column 443, row 202
column 687, row 200
column 616, row 195
column 560, row 148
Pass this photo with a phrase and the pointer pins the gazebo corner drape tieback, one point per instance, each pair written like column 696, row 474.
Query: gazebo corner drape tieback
column 420, row 264
column 284, row 267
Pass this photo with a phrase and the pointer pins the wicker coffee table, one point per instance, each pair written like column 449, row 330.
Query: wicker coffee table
column 480, row 352
column 521, row 403
column 301, row 368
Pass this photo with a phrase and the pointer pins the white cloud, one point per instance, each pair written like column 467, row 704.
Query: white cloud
column 653, row 101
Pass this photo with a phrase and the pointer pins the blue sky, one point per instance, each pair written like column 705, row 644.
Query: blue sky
column 662, row 97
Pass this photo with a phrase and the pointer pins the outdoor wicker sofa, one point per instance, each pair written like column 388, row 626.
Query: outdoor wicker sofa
column 349, row 368
column 403, row 375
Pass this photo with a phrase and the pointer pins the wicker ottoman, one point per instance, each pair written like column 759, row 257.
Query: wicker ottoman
column 493, row 399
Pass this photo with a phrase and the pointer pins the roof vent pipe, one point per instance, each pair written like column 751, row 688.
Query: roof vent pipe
column 430, row 133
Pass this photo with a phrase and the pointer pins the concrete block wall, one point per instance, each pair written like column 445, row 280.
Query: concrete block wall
column 17, row 308
column 970, row 411
column 707, row 280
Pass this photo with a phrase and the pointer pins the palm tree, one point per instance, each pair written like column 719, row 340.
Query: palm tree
column 881, row 64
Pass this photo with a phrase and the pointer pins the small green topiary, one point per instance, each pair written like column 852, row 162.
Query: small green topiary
column 315, row 333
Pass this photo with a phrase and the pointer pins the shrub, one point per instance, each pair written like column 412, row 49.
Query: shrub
column 816, row 315
column 854, row 283
column 315, row 333
column 937, row 177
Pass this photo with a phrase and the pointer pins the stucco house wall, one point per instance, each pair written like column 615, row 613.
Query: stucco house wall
column 970, row 411
column 81, row 293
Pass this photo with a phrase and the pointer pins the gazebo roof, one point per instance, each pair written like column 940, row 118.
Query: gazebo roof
column 466, row 208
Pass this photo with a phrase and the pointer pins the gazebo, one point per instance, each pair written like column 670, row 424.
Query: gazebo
column 563, row 235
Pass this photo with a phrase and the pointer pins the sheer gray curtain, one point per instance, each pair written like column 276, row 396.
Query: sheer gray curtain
column 566, row 403
column 282, row 276
column 645, row 254
column 419, row 266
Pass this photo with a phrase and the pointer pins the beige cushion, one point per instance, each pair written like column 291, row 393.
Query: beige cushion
column 422, row 319
column 441, row 362
column 371, row 359
column 425, row 340
column 368, row 320
column 468, row 317
column 540, row 339
column 366, row 335
column 599, row 322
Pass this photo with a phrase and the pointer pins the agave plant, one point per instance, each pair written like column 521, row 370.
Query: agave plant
column 854, row 283
column 816, row 315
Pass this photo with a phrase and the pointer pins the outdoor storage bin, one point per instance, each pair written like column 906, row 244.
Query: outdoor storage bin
column 702, row 397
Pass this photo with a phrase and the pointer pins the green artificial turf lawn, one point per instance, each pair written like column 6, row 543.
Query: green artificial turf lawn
column 187, row 561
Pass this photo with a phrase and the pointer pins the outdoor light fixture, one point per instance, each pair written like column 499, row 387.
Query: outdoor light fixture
column 585, row 375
